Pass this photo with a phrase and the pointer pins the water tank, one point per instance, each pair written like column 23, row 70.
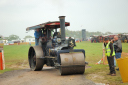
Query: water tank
column 83, row 34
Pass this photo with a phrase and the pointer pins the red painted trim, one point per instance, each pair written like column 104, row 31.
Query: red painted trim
column 57, row 23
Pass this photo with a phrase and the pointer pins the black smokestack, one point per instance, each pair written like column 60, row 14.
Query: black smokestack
column 62, row 26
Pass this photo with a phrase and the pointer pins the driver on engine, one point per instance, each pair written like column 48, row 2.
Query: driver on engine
column 37, row 34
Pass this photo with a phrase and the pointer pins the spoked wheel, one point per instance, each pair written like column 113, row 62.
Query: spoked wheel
column 35, row 57
column 72, row 63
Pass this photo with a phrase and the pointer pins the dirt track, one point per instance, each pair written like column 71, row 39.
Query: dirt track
column 48, row 76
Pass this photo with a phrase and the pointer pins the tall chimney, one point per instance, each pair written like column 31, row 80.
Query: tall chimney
column 62, row 26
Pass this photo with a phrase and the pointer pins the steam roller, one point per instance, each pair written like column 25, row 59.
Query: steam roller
column 56, row 52
column 72, row 63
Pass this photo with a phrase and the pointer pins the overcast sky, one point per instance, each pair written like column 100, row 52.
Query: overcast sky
column 92, row 15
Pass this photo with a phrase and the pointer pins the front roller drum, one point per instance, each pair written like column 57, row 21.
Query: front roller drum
column 72, row 63
column 35, row 57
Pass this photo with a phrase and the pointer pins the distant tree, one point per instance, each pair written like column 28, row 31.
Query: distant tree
column 13, row 37
column 1, row 38
column 6, row 38
column 108, row 33
column 28, row 36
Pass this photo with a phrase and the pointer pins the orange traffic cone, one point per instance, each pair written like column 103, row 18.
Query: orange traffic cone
column 104, row 57
column 1, row 62
column 2, row 65
column 99, row 61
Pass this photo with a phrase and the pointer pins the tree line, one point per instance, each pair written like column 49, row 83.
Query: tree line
column 78, row 34
column 14, row 37
column 69, row 33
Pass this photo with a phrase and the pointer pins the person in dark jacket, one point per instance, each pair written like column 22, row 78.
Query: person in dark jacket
column 117, row 47
column 110, row 53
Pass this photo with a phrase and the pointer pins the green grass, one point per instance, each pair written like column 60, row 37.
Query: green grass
column 16, row 54
column 125, row 47
column 93, row 51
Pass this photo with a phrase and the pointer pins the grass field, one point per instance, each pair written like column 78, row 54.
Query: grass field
column 16, row 55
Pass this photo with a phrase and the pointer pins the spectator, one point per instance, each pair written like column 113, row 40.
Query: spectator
column 30, row 43
column 118, row 48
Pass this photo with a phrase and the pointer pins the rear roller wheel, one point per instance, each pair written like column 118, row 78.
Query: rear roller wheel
column 35, row 57
column 72, row 63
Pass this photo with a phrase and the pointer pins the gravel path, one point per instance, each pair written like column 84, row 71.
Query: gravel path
column 48, row 76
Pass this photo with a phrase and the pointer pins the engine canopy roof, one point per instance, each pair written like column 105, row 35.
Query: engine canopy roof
column 47, row 25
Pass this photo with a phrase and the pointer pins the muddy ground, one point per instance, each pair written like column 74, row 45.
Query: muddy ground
column 48, row 76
